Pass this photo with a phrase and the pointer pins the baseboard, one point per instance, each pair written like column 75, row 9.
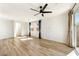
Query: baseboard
column 7, row 38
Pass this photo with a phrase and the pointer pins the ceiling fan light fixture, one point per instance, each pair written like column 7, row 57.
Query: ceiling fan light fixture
column 42, row 10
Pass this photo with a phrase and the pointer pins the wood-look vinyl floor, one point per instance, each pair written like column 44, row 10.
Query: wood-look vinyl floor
column 32, row 47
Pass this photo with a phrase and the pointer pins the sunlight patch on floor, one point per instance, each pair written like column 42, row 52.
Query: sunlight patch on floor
column 72, row 53
column 77, row 49
column 26, row 39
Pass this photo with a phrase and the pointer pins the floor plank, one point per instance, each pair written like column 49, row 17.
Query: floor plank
column 32, row 47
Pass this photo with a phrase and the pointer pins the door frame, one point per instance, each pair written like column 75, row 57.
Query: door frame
column 74, row 36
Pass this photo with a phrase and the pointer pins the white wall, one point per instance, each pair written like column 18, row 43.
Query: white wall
column 17, row 28
column 21, row 28
column 24, row 28
column 55, row 28
column 6, row 28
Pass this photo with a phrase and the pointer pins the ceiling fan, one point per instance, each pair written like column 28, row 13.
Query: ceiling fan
column 42, row 10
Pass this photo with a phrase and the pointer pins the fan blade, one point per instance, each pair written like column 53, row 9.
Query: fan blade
column 36, row 14
column 42, row 15
column 47, row 12
column 34, row 10
column 44, row 7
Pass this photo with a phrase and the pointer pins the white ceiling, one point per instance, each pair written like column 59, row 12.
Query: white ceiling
column 22, row 12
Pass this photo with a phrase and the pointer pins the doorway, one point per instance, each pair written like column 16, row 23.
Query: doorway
column 35, row 29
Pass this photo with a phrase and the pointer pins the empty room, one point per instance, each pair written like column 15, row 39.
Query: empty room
column 37, row 29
